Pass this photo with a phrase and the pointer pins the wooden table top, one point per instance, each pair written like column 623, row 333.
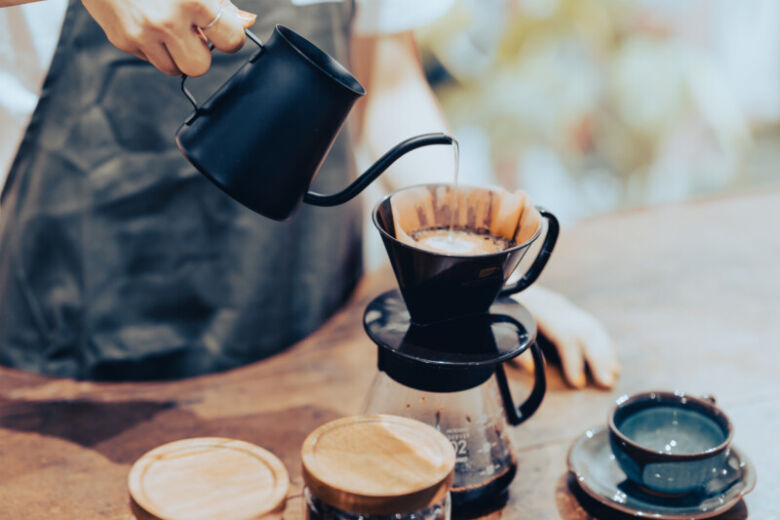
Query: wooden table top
column 690, row 293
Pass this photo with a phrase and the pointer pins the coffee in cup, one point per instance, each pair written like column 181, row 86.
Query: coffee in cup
column 672, row 443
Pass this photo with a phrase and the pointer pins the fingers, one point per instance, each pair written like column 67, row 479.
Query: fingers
column 604, row 376
column 138, row 53
column 592, row 349
column 165, row 34
column 184, row 40
column 158, row 55
column 599, row 352
column 247, row 19
column 191, row 54
column 572, row 360
column 526, row 361
column 577, row 336
column 558, row 320
column 227, row 32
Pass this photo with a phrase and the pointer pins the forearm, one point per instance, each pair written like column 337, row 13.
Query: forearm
column 399, row 104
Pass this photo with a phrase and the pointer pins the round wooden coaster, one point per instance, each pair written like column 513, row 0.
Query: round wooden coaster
column 207, row 478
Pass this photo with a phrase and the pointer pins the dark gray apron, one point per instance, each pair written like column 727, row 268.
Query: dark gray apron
column 119, row 261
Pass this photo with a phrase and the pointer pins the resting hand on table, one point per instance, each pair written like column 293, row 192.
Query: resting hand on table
column 170, row 34
column 577, row 336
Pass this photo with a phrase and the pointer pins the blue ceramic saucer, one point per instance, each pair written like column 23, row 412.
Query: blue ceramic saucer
column 598, row 474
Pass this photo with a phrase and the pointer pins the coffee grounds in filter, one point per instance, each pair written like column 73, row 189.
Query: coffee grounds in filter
column 460, row 241
column 496, row 211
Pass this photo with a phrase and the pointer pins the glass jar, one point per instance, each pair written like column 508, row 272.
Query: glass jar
column 316, row 509
column 474, row 421
column 377, row 467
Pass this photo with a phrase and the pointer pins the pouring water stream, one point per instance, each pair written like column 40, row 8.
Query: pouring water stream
column 456, row 166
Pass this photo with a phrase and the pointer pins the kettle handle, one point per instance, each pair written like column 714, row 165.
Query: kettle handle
column 514, row 414
column 184, row 77
column 370, row 175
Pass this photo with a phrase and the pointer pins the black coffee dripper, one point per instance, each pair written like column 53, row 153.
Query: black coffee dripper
column 262, row 136
column 444, row 337
column 438, row 286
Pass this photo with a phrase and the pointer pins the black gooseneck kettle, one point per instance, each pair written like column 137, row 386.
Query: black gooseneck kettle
column 262, row 136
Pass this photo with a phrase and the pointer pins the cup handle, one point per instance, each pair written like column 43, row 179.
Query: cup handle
column 184, row 77
column 514, row 414
column 541, row 259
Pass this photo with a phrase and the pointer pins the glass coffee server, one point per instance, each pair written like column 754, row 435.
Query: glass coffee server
column 450, row 375
column 443, row 338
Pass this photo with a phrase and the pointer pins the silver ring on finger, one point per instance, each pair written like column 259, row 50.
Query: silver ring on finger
column 217, row 17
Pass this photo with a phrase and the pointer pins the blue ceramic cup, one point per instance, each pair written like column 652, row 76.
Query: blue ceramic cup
column 671, row 443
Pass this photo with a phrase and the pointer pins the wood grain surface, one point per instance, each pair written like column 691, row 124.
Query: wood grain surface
column 204, row 478
column 690, row 293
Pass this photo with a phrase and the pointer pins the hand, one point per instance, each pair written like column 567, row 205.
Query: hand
column 578, row 337
column 168, row 33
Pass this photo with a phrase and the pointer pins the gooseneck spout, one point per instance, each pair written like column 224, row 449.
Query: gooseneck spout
column 370, row 175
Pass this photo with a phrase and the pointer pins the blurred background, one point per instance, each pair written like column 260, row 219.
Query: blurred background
column 595, row 106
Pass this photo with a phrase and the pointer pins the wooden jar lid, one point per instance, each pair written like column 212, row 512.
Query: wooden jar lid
column 207, row 478
column 378, row 464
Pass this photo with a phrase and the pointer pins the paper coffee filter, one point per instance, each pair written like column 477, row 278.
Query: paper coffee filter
column 529, row 222
column 509, row 210
column 503, row 213
column 412, row 209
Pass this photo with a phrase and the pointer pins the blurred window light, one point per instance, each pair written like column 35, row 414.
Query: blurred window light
column 598, row 105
